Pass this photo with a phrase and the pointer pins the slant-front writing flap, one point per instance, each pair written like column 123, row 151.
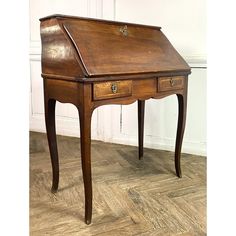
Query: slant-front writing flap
column 107, row 48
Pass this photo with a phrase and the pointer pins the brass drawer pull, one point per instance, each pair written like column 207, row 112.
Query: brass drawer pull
column 114, row 88
column 124, row 30
column 172, row 82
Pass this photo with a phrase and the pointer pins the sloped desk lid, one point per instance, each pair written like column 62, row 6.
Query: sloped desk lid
column 116, row 48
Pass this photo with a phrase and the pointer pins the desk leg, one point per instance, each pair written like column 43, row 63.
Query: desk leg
column 49, row 106
column 182, row 102
column 141, row 110
column 85, row 115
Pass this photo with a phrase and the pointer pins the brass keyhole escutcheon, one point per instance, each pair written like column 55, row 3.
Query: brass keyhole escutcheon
column 172, row 82
column 124, row 30
column 114, row 88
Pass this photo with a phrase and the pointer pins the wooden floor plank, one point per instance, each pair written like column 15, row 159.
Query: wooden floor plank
column 130, row 196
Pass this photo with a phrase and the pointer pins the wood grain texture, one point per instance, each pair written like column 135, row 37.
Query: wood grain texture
column 85, row 117
column 182, row 110
column 142, row 50
column 141, row 112
column 170, row 83
column 57, row 53
column 105, row 90
column 50, row 106
column 93, row 48
column 131, row 196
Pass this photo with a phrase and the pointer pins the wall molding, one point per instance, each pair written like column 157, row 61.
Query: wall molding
column 196, row 60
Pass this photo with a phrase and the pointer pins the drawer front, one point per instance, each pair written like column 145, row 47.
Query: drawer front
column 170, row 83
column 112, row 89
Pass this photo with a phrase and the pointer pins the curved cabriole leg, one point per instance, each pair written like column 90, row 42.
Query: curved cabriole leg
column 182, row 102
column 49, row 106
column 141, row 110
column 85, row 114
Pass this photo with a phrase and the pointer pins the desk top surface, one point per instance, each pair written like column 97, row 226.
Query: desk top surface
column 107, row 48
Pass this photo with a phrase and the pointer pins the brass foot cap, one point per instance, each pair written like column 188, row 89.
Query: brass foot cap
column 88, row 222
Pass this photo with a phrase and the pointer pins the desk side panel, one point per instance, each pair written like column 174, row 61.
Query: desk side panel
column 59, row 58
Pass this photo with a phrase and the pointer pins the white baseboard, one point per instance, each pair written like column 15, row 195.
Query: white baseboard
column 70, row 127
column 64, row 125
column 195, row 148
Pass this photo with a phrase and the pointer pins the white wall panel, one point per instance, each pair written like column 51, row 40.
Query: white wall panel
column 41, row 8
column 36, row 88
column 62, row 110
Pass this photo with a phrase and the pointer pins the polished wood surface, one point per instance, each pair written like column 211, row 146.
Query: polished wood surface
column 170, row 83
column 85, row 117
column 58, row 56
column 141, row 112
column 52, row 142
column 105, row 90
column 101, row 48
column 142, row 50
column 182, row 105
column 91, row 63
column 131, row 196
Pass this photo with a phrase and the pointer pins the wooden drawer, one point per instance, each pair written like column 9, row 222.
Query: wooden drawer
column 170, row 83
column 112, row 89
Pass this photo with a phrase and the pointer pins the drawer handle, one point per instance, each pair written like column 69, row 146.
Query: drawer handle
column 114, row 88
column 172, row 82
column 124, row 30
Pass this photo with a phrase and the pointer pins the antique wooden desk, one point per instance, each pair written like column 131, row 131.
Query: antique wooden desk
column 90, row 63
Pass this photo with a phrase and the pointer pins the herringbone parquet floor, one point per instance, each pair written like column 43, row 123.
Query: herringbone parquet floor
column 130, row 196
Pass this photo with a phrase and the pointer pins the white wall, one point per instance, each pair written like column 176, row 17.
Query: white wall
column 184, row 23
